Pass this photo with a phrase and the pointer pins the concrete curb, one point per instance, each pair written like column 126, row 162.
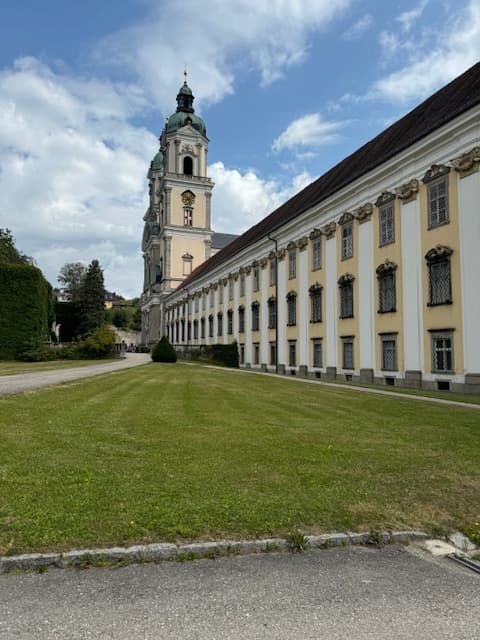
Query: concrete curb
column 160, row 552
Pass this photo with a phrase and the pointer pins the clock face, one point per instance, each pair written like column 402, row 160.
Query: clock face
column 188, row 198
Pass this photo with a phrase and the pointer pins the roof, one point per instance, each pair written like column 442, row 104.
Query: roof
column 445, row 105
column 220, row 240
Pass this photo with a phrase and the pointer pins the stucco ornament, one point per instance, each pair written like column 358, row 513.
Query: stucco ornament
column 467, row 162
column 408, row 190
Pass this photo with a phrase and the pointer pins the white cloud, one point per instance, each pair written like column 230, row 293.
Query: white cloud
column 72, row 169
column 216, row 38
column 308, row 131
column 358, row 28
column 430, row 59
column 243, row 199
column 408, row 18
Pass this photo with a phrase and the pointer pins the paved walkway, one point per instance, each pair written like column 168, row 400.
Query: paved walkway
column 28, row 381
column 335, row 594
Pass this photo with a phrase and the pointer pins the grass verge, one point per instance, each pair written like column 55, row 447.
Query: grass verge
column 177, row 453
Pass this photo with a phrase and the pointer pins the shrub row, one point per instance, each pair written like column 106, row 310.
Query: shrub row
column 97, row 345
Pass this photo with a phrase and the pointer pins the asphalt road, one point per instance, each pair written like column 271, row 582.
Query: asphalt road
column 336, row 594
column 28, row 381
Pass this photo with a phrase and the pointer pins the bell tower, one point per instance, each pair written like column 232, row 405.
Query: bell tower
column 177, row 232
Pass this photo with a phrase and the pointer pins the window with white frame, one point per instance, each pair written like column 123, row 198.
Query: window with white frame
column 272, row 312
column 345, row 284
column 219, row 324
column 256, row 353
column 292, row 353
column 242, row 353
column 387, row 224
column 273, row 271
column 439, row 275
column 255, row 316
column 273, row 353
column 348, row 353
column 241, row 319
column 210, row 326
column 195, row 329
column 387, row 297
column 316, row 303
column 242, row 284
column 256, row 277
column 187, row 216
column 389, row 351
column 442, row 351
column 438, row 203
column 317, row 352
column 292, row 263
column 291, row 309
column 229, row 322
column 347, row 240
column 317, row 253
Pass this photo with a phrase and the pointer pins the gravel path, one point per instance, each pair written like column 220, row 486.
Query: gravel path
column 26, row 381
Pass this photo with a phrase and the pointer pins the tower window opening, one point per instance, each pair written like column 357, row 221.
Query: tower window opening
column 188, row 166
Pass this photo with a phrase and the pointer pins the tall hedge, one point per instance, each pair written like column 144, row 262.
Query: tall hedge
column 25, row 308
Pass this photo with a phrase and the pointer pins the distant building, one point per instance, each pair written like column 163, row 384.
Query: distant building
column 370, row 273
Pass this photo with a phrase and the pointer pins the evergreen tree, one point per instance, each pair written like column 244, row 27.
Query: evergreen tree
column 92, row 299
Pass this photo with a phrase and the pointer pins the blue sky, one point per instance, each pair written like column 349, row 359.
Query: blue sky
column 287, row 89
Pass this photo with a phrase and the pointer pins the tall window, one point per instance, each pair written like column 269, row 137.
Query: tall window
column 219, row 324
column 255, row 316
column 387, row 224
column 347, row 241
column 273, row 353
column 210, row 326
column 256, row 353
column 273, row 271
column 229, row 322
column 292, row 353
column 202, row 328
column 272, row 313
column 242, row 353
column 292, row 262
column 242, row 284
column 241, row 319
column 187, row 264
column 256, row 278
column 188, row 166
column 317, row 352
column 437, row 203
column 316, row 303
column 346, row 296
column 347, row 347
column 316, row 253
column 386, row 287
column 389, row 352
column 195, row 329
column 187, row 216
column 291, row 309
column 442, row 351
column 439, row 275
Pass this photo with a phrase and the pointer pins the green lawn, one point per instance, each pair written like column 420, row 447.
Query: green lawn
column 177, row 452
column 14, row 367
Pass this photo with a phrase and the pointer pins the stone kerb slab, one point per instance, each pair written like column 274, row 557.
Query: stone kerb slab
column 161, row 552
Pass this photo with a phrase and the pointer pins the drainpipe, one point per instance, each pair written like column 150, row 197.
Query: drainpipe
column 276, row 300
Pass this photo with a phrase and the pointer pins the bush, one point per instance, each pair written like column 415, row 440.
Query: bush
column 34, row 351
column 163, row 351
column 25, row 309
column 226, row 354
column 98, row 344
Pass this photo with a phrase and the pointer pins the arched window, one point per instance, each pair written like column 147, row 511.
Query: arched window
column 188, row 166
